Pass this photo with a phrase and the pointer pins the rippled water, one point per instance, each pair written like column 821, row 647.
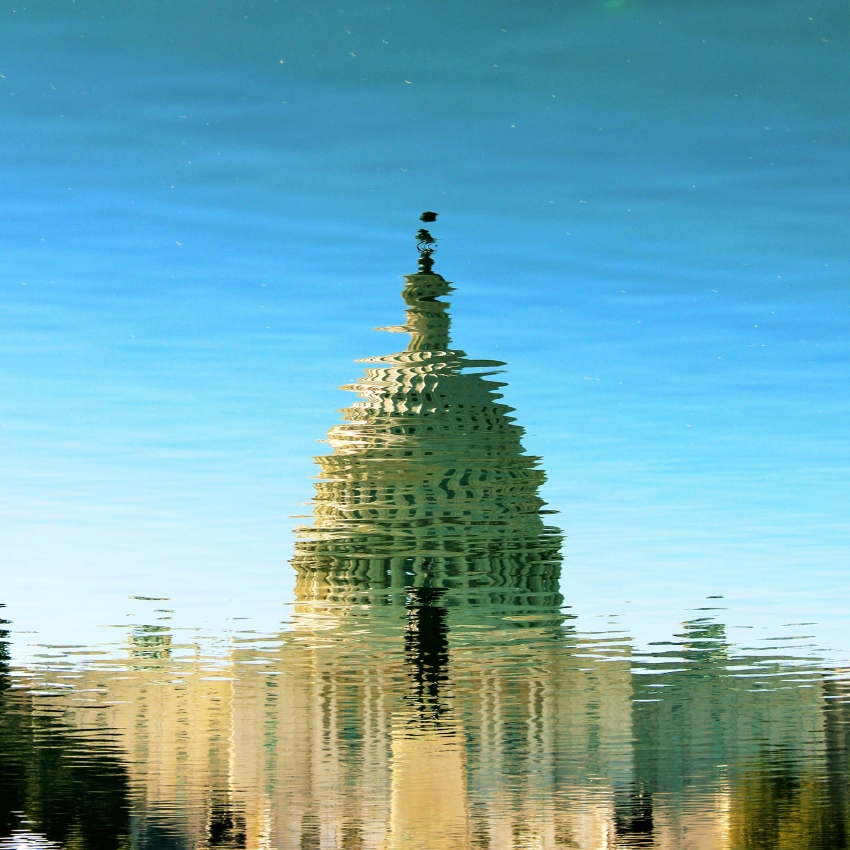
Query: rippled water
column 430, row 687
column 614, row 617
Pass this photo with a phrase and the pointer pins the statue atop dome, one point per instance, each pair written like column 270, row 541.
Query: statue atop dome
column 426, row 244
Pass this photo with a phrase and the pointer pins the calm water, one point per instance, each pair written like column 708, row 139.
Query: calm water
column 613, row 617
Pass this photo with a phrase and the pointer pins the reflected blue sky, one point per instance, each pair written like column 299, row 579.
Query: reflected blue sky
column 208, row 207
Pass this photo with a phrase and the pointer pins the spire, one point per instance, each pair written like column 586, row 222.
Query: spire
column 426, row 244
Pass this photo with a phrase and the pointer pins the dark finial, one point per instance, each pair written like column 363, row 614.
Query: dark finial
column 426, row 262
column 426, row 244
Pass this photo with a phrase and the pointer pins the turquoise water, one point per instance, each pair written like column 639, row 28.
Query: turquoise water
column 643, row 210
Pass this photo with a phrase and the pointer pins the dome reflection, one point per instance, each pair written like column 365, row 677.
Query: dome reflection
column 428, row 485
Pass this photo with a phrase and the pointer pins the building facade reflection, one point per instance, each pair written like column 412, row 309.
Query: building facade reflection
column 430, row 689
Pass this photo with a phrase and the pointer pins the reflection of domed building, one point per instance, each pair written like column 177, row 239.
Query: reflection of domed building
column 428, row 484
column 430, row 691
column 433, row 581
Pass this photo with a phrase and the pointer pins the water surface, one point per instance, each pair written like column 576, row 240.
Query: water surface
column 643, row 206
column 431, row 686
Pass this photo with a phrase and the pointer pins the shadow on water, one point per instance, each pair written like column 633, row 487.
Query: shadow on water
column 431, row 690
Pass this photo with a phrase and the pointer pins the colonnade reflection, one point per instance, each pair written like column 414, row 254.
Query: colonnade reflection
column 432, row 691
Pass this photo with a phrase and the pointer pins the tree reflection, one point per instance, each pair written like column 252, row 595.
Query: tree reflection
column 53, row 783
column 737, row 745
